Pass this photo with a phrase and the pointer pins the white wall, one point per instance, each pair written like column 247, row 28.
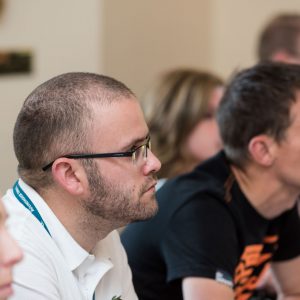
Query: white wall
column 236, row 25
column 143, row 38
column 64, row 35
column 131, row 40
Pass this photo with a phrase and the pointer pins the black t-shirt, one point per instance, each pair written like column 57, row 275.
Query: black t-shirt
column 205, row 227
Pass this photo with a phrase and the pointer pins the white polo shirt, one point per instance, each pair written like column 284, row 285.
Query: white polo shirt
column 57, row 267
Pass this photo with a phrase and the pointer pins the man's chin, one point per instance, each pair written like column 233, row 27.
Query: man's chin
column 147, row 213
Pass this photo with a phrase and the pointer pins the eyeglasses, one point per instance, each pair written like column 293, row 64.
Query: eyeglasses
column 137, row 154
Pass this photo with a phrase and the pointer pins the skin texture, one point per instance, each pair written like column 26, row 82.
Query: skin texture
column 108, row 193
column 205, row 289
column 111, row 196
column 10, row 254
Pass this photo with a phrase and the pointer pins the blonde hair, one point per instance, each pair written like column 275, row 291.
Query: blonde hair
column 173, row 107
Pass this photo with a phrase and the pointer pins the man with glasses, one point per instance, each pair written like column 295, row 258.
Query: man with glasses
column 86, row 169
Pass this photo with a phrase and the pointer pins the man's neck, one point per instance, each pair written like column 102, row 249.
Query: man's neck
column 264, row 191
column 86, row 229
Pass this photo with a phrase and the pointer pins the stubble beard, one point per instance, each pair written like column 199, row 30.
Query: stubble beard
column 111, row 201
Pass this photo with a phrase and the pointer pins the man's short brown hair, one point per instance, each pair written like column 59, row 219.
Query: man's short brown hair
column 281, row 33
column 56, row 119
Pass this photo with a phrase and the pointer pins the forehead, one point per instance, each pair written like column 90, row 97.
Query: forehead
column 118, row 123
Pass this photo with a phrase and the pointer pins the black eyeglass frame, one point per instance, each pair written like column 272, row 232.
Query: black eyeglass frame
column 130, row 153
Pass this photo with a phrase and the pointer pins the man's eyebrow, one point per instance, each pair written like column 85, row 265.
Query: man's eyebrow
column 136, row 141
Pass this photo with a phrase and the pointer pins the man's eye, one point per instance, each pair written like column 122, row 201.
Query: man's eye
column 133, row 148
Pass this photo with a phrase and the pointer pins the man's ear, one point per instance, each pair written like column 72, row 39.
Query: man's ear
column 262, row 149
column 70, row 175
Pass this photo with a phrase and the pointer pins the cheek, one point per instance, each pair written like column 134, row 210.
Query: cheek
column 122, row 172
column 204, row 141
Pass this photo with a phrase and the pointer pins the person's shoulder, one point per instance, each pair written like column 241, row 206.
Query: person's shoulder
column 20, row 221
column 26, row 230
column 208, row 176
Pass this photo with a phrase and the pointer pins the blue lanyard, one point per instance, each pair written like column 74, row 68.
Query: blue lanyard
column 27, row 203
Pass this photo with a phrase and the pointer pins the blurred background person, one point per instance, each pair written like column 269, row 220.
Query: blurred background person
column 279, row 40
column 10, row 254
column 219, row 225
column 180, row 112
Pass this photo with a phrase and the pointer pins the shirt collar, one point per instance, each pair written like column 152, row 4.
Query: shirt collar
column 73, row 253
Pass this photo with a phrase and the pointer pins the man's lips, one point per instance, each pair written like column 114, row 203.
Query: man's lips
column 151, row 186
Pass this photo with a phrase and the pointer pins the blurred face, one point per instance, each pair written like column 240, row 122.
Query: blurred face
column 204, row 141
column 287, row 162
column 286, row 57
column 120, row 188
column 10, row 254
